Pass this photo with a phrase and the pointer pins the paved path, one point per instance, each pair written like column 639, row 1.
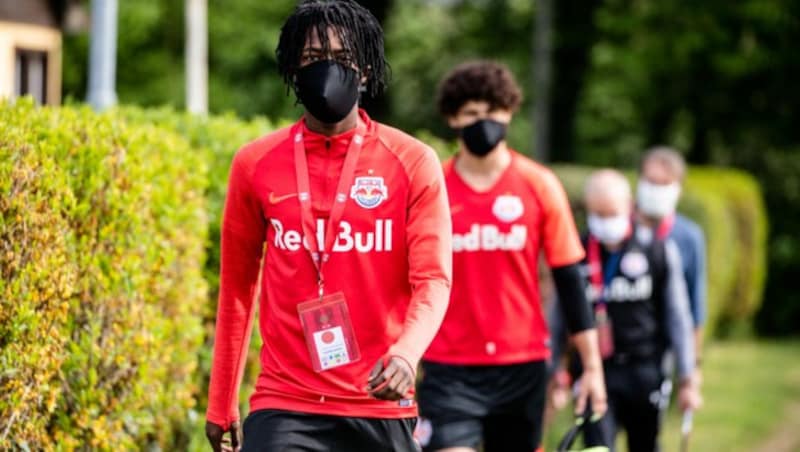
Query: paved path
column 786, row 437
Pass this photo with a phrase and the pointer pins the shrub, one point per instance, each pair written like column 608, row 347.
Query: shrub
column 747, row 216
column 216, row 139
column 709, row 208
column 38, row 283
column 104, row 285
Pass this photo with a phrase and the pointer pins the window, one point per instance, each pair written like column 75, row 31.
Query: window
column 30, row 75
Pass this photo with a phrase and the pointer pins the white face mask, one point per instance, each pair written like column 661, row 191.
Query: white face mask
column 657, row 201
column 609, row 230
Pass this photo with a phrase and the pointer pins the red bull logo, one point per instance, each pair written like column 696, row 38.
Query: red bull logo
column 488, row 237
column 508, row 208
column 369, row 192
column 379, row 239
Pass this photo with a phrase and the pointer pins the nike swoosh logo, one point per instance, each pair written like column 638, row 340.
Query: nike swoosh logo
column 456, row 209
column 273, row 199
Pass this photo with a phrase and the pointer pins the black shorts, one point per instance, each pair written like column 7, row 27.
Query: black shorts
column 287, row 431
column 498, row 406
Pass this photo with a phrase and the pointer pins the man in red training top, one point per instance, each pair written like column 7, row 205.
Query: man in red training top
column 356, row 272
column 485, row 372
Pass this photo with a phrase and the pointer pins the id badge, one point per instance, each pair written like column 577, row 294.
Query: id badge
column 605, row 332
column 328, row 332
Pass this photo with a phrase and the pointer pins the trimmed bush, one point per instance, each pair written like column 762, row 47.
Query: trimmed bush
column 216, row 139
column 728, row 206
column 38, row 284
column 747, row 216
column 102, row 284
column 709, row 208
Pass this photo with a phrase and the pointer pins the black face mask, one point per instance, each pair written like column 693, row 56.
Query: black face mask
column 482, row 136
column 327, row 89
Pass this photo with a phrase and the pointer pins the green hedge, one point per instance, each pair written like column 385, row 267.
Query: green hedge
column 37, row 284
column 728, row 206
column 216, row 139
column 746, row 208
column 102, row 227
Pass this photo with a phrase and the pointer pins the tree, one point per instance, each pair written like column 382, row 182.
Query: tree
column 542, row 56
column 575, row 35
column 425, row 39
column 379, row 108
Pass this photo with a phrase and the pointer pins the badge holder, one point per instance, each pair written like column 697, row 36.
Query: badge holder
column 325, row 320
column 605, row 332
column 328, row 332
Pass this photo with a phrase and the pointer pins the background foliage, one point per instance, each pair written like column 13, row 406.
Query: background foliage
column 214, row 139
column 102, row 226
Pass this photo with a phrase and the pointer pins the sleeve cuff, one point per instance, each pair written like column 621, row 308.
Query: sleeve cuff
column 225, row 423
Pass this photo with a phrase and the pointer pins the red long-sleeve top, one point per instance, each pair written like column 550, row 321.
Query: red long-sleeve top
column 392, row 261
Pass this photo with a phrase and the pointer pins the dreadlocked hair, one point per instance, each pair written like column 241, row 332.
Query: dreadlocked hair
column 358, row 30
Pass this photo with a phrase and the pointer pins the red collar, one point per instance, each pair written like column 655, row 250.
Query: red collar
column 665, row 227
column 335, row 145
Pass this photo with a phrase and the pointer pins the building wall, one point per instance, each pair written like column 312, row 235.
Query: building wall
column 37, row 12
column 40, row 38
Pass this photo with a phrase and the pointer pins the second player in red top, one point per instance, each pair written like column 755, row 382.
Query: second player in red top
column 485, row 372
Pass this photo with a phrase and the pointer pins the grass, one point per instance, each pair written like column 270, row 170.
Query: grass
column 749, row 389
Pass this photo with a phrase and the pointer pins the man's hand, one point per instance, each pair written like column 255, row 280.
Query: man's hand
column 220, row 443
column 559, row 397
column 559, row 390
column 689, row 398
column 591, row 387
column 392, row 382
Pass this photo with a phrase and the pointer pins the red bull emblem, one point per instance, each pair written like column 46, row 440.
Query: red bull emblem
column 634, row 264
column 369, row 192
column 508, row 208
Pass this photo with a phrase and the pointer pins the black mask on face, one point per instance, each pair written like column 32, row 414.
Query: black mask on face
column 327, row 89
column 482, row 136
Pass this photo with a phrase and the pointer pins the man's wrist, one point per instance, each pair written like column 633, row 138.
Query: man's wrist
column 224, row 424
column 592, row 367
column 408, row 364
column 588, row 349
column 591, row 360
column 562, row 378
column 405, row 355
column 687, row 381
